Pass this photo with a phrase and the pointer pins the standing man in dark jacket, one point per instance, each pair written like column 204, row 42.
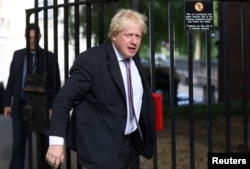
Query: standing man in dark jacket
column 103, row 130
column 15, row 97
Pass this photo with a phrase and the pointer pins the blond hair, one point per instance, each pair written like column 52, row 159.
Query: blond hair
column 125, row 17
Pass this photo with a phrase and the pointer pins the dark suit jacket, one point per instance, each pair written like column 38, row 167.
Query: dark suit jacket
column 96, row 92
column 14, row 85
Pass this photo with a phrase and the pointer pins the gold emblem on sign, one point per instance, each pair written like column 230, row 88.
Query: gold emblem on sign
column 198, row 6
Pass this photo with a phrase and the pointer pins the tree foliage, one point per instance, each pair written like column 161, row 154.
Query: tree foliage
column 161, row 22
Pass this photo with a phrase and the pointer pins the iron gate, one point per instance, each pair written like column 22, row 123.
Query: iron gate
column 73, row 48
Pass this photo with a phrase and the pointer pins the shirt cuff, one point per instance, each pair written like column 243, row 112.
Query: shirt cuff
column 55, row 140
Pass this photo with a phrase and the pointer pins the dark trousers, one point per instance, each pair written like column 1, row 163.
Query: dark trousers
column 42, row 147
column 19, row 142
column 124, row 156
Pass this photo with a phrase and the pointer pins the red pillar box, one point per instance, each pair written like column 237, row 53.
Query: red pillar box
column 159, row 113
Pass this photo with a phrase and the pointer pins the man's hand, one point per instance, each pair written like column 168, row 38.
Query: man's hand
column 55, row 155
column 7, row 111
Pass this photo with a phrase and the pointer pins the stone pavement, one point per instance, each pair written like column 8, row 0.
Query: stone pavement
column 5, row 142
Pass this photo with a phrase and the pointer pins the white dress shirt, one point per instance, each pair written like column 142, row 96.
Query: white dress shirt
column 136, row 88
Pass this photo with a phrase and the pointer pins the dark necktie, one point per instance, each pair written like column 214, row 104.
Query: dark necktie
column 130, row 95
column 32, row 63
column 29, row 67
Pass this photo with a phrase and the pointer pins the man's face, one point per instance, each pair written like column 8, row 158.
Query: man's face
column 128, row 41
column 33, row 40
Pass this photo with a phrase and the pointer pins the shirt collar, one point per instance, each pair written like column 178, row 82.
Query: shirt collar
column 118, row 54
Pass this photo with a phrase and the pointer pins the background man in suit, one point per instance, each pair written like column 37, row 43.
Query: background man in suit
column 102, row 130
column 15, row 98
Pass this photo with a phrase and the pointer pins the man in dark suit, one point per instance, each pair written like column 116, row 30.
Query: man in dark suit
column 15, row 97
column 102, row 130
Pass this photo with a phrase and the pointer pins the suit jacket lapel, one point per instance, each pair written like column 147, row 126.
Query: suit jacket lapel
column 114, row 68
